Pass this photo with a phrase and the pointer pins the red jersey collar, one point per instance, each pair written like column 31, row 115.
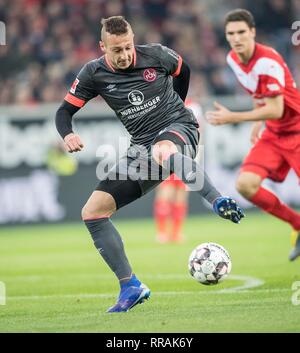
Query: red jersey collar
column 237, row 59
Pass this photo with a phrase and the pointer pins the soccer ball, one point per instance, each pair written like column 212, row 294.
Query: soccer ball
column 209, row 263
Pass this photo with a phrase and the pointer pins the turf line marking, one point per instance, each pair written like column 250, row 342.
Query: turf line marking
column 162, row 293
column 158, row 276
column 249, row 283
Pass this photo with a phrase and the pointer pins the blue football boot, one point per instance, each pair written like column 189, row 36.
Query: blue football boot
column 227, row 208
column 131, row 294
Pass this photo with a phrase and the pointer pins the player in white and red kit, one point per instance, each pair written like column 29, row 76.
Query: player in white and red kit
column 265, row 75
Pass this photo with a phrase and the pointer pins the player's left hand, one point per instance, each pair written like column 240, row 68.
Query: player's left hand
column 73, row 143
column 227, row 208
column 220, row 116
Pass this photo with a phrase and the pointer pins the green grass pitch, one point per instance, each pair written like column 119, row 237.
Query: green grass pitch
column 56, row 281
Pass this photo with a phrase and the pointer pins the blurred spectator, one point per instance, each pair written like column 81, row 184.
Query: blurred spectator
column 49, row 41
column 61, row 162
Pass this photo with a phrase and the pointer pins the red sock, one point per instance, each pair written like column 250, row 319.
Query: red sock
column 162, row 210
column 179, row 211
column 270, row 203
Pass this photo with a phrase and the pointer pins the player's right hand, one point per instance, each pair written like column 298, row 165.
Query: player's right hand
column 255, row 132
column 73, row 143
column 227, row 208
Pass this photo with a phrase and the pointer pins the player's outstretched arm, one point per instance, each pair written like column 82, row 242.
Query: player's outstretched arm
column 272, row 109
column 227, row 208
column 63, row 121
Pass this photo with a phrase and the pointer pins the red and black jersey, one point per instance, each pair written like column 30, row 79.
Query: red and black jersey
column 142, row 96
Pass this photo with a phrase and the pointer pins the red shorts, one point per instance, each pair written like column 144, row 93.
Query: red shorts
column 273, row 156
column 174, row 181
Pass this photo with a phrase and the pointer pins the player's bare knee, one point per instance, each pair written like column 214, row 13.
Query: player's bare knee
column 92, row 213
column 162, row 150
column 87, row 213
column 247, row 184
column 100, row 204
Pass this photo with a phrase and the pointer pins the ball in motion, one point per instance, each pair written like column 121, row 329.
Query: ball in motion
column 209, row 263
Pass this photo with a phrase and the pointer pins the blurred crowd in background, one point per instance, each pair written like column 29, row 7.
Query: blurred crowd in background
column 49, row 41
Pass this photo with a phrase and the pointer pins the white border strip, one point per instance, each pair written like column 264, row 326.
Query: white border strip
column 249, row 283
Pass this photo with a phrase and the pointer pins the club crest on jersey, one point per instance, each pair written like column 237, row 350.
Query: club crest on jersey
column 74, row 85
column 149, row 75
column 136, row 97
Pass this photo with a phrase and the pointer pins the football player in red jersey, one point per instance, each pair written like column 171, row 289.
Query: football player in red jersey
column 264, row 74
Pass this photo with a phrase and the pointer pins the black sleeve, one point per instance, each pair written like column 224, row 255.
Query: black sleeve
column 63, row 118
column 181, row 82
